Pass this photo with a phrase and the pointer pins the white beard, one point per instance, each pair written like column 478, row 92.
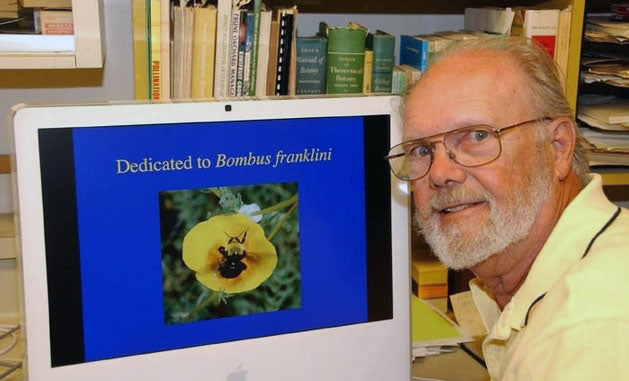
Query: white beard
column 468, row 243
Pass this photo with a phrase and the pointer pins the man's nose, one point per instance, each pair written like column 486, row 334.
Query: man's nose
column 445, row 170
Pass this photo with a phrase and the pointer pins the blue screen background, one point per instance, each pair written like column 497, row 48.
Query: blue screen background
column 119, row 227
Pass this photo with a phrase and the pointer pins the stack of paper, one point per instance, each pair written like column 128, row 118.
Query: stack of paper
column 607, row 129
column 432, row 331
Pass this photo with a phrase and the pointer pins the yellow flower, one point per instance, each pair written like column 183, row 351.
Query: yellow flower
column 229, row 253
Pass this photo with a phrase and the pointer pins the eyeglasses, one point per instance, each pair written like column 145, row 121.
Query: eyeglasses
column 471, row 146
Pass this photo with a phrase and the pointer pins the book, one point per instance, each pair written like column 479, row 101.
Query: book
column 254, row 49
column 562, row 43
column 156, row 50
column 241, row 51
column 234, row 43
column 414, row 52
column 188, row 45
column 539, row 25
column 141, row 67
column 292, row 72
column 248, row 53
column 165, row 16
column 222, row 56
column 263, row 52
column 490, row 20
column 367, row 70
column 56, row 21
column 311, row 57
column 272, row 62
column 383, row 46
column 284, row 51
column 203, row 50
column 398, row 80
column 345, row 59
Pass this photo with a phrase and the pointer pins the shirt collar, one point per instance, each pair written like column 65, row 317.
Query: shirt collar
column 579, row 222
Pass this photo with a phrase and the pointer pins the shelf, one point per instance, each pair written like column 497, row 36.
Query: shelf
column 86, row 51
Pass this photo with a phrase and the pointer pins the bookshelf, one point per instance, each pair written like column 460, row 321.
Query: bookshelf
column 85, row 49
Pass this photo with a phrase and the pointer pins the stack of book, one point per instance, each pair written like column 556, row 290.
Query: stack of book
column 199, row 50
column 549, row 27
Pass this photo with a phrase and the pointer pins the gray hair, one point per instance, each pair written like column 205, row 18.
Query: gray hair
column 547, row 98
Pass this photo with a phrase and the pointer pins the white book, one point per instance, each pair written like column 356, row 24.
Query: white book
column 223, row 35
column 263, row 52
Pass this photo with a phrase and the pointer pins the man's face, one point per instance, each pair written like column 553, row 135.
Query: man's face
column 469, row 214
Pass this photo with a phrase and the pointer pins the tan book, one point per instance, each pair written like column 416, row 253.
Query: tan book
column 56, row 21
column 367, row 71
column 46, row 3
column 140, row 50
column 203, row 50
column 221, row 61
column 188, row 41
column 273, row 45
column 177, row 52
column 562, row 43
column 263, row 52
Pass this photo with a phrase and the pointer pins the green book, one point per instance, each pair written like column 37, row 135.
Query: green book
column 383, row 46
column 345, row 60
column 311, row 55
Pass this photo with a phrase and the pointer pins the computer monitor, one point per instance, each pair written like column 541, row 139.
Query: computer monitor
column 237, row 241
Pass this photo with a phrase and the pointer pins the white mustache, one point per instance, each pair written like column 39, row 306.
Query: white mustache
column 458, row 195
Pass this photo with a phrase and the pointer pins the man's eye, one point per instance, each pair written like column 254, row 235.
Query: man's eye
column 420, row 151
column 479, row 135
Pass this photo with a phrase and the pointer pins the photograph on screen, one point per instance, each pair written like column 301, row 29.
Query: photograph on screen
column 229, row 251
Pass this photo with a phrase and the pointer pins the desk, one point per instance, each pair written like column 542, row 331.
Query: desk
column 454, row 366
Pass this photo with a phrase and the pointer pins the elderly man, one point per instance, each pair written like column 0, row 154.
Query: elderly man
column 501, row 187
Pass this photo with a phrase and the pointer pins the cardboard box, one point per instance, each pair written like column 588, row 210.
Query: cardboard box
column 56, row 21
column 46, row 3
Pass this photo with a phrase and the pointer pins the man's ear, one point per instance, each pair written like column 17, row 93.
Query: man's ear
column 563, row 134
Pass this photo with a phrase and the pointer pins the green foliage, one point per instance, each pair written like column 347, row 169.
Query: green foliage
column 186, row 299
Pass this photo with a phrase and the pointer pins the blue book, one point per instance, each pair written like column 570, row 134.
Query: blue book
column 414, row 52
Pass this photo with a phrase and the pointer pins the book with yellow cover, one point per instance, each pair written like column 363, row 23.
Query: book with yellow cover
column 140, row 49
column 426, row 269
column 156, row 51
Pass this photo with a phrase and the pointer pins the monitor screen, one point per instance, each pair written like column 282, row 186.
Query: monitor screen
column 181, row 233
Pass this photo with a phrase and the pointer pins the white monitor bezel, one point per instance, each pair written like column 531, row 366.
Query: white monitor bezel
column 371, row 351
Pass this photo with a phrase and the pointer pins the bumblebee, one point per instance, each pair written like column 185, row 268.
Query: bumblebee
column 231, row 264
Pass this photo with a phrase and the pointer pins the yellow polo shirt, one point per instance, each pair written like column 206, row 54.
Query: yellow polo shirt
column 579, row 329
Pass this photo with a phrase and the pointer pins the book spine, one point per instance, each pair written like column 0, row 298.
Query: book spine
column 345, row 60
column 202, row 82
column 56, row 22
column 410, row 51
column 156, row 51
column 233, row 52
column 311, row 57
column 541, row 25
column 383, row 57
column 140, row 50
column 273, row 50
column 165, row 16
column 222, row 56
column 263, row 53
column 255, row 44
column 247, row 55
column 367, row 71
column 284, row 52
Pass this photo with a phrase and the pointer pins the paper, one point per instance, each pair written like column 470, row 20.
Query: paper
column 467, row 314
column 431, row 328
